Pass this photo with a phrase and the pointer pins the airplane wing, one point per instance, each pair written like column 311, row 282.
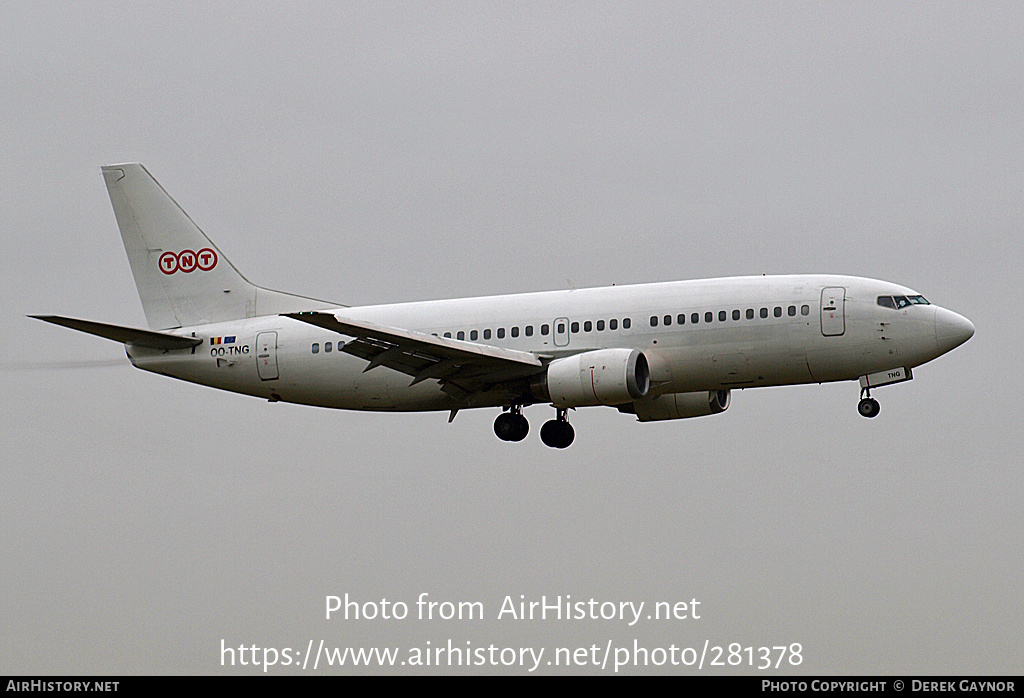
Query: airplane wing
column 463, row 368
column 127, row 335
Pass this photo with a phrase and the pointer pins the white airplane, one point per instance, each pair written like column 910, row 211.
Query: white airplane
column 657, row 351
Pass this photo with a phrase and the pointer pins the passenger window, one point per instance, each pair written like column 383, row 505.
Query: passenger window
column 778, row 311
column 487, row 334
column 327, row 348
column 805, row 309
column 668, row 320
column 460, row 335
column 448, row 335
column 561, row 328
column 654, row 321
column 681, row 319
column 473, row 335
column 736, row 315
column 626, row 322
column 764, row 312
column 750, row 313
column 316, row 347
column 709, row 316
column 501, row 333
column 574, row 327
column 791, row 311
column 544, row 330
column 600, row 325
column 613, row 324
column 529, row 331
column 588, row 326
column 721, row 315
column 695, row 318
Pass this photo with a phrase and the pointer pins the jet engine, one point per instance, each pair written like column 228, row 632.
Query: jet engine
column 678, row 405
column 601, row 377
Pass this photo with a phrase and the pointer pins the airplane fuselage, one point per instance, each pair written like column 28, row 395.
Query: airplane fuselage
column 720, row 334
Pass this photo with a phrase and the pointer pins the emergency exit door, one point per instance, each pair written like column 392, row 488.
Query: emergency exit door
column 561, row 331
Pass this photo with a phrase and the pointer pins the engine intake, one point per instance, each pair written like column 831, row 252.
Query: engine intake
column 602, row 377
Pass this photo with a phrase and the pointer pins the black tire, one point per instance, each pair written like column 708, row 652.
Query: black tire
column 869, row 407
column 549, row 433
column 505, row 427
column 522, row 427
column 557, row 434
column 567, row 436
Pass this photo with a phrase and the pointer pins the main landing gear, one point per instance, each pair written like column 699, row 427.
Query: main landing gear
column 868, row 406
column 512, row 426
column 557, row 433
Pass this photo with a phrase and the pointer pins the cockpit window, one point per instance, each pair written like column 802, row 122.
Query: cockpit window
column 896, row 302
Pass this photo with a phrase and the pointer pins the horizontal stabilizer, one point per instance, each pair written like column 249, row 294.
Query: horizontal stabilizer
column 126, row 335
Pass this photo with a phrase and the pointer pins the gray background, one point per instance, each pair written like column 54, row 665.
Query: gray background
column 386, row 152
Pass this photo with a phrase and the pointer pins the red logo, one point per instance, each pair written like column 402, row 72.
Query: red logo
column 187, row 261
column 168, row 262
column 206, row 259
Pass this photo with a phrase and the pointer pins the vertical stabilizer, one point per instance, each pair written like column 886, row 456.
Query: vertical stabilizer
column 182, row 278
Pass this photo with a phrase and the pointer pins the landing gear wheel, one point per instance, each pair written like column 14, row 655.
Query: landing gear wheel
column 868, row 407
column 557, row 433
column 522, row 427
column 505, row 426
column 511, row 426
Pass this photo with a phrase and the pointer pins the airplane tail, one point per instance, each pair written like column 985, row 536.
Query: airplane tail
column 182, row 278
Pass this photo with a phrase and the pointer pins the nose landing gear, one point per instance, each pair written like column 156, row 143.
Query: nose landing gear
column 868, row 406
column 558, row 433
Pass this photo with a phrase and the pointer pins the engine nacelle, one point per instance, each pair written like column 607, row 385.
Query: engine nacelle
column 602, row 377
column 679, row 405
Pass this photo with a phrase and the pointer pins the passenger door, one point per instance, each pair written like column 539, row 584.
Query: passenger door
column 833, row 311
column 266, row 355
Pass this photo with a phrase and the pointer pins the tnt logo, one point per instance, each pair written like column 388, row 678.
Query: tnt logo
column 188, row 261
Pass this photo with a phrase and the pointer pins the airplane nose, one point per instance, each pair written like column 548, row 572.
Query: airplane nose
column 951, row 329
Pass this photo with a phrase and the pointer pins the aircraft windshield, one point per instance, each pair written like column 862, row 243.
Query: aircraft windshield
column 897, row 302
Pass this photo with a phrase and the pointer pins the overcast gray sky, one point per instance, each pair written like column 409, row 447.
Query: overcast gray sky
column 371, row 152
